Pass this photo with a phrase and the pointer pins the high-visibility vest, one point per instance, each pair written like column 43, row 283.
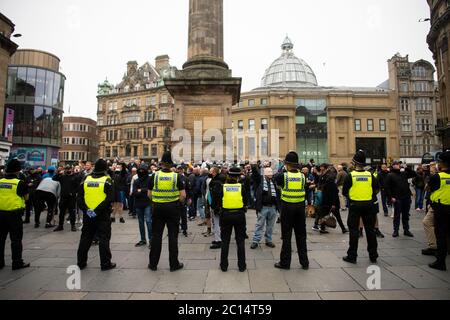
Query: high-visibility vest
column 294, row 187
column 165, row 187
column 375, row 174
column 442, row 195
column 94, row 191
column 9, row 200
column 361, row 189
column 232, row 196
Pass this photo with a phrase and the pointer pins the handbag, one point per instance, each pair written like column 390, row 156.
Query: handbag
column 329, row 220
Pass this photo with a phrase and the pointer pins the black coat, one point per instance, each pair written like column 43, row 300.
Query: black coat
column 141, row 199
column 264, row 197
column 397, row 185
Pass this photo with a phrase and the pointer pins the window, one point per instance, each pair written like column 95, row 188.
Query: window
column 264, row 124
column 154, row 150
column 419, row 72
column 240, row 104
column 264, row 102
column 127, row 150
column 406, row 123
column 107, row 152
column 146, row 150
column 115, row 152
column 132, row 117
column 131, row 134
column 420, row 86
column 164, row 98
column 406, row 147
column 240, row 125
column 112, row 135
column 150, row 115
column 251, row 125
column 423, row 124
column 382, row 125
column 357, row 125
column 423, row 104
column 404, row 105
column 251, row 103
column 135, row 151
column 369, row 125
column 404, row 87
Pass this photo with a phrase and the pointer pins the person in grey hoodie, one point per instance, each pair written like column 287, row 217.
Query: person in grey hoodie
column 47, row 194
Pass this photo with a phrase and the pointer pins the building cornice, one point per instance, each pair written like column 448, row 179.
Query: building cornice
column 8, row 45
column 436, row 27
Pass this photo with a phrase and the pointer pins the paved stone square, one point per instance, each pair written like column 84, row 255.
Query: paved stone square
column 404, row 271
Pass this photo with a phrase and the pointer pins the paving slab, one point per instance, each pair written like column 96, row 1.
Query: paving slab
column 387, row 295
column 429, row 294
column 320, row 280
column 297, row 296
column 183, row 281
column 106, row 296
column 418, row 277
column 341, row 296
column 126, row 280
column 54, row 295
column 227, row 282
column 152, row 296
column 19, row 294
column 267, row 281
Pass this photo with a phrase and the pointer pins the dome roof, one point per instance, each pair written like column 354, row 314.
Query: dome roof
column 288, row 70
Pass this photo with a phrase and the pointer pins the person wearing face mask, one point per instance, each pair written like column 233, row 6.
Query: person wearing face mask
column 119, row 183
column 69, row 185
column 398, row 190
column 142, row 204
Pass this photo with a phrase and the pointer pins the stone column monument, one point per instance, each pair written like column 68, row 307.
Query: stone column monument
column 204, row 91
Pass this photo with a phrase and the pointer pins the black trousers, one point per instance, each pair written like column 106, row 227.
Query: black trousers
column 44, row 198
column 67, row 203
column 228, row 221
column 441, row 230
column 29, row 205
column 99, row 226
column 11, row 223
column 293, row 218
column 369, row 218
column 193, row 207
column 165, row 214
column 184, row 209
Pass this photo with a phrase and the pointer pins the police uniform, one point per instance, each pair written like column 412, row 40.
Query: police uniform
column 95, row 197
column 361, row 187
column 293, row 217
column 12, row 207
column 165, row 187
column 440, row 198
column 232, row 216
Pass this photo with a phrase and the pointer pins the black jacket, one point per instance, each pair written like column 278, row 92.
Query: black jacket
column 69, row 184
column 382, row 178
column 265, row 197
column 330, row 191
column 216, row 190
column 33, row 181
column 397, row 185
column 141, row 199
column 105, row 206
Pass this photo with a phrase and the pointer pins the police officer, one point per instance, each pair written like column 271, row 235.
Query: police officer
column 361, row 188
column 439, row 186
column 95, row 197
column 12, row 206
column 167, row 191
column 292, row 184
column 232, row 198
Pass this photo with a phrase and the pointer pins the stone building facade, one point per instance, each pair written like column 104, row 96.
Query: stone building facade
column 327, row 124
column 135, row 117
column 416, row 97
column 80, row 140
column 7, row 49
column 438, row 42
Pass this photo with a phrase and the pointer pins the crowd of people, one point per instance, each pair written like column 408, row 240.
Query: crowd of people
column 217, row 197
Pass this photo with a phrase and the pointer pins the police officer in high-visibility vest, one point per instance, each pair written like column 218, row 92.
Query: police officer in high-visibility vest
column 361, row 188
column 232, row 199
column 167, row 191
column 293, row 216
column 95, row 198
column 439, row 186
column 12, row 206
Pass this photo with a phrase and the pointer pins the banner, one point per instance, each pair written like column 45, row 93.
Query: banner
column 30, row 156
column 9, row 124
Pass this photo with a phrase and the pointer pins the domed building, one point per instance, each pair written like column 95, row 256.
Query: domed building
column 290, row 111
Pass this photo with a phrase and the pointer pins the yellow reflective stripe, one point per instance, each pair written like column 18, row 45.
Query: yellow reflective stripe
column 294, row 187
column 361, row 189
column 165, row 187
column 232, row 196
column 94, row 191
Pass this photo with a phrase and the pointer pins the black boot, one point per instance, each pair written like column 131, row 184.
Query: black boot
column 438, row 265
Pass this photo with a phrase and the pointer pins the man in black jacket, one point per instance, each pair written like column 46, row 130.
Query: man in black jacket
column 95, row 197
column 381, row 180
column 267, row 204
column 69, row 186
column 32, row 181
column 215, row 187
column 397, row 189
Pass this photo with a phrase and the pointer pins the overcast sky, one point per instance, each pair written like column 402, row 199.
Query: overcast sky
column 347, row 43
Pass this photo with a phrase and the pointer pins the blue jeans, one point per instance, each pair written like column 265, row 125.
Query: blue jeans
column 145, row 218
column 419, row 198
column 267, row 216
column 201, row 207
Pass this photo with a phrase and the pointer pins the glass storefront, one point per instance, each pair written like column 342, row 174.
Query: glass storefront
column 311, row 125
column 36, row 95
